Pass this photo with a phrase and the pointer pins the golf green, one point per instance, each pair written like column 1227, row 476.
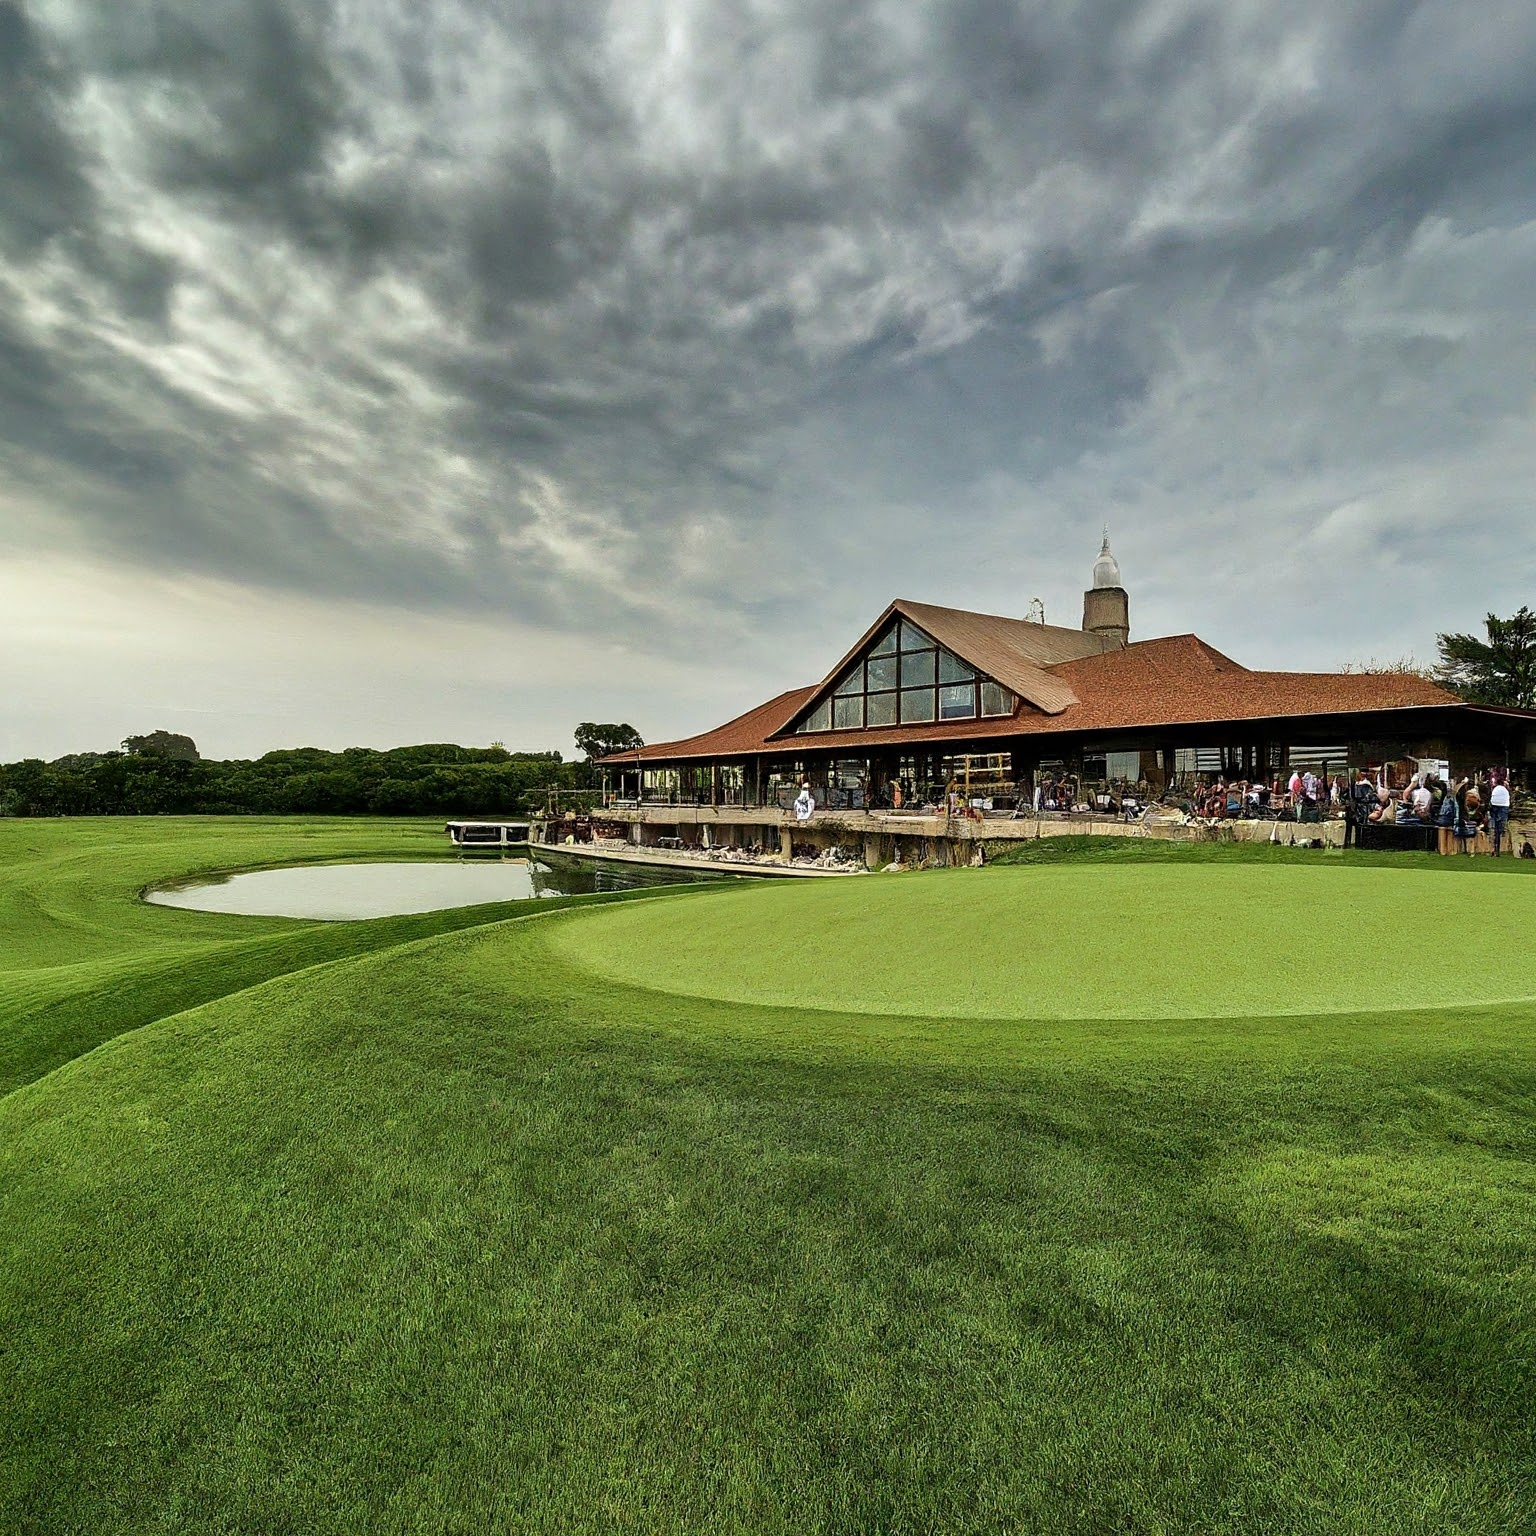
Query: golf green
column 1137, row 941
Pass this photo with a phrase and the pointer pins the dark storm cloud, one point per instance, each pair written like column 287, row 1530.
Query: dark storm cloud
column 46, row 196
column 43, row 188
column 624, row 317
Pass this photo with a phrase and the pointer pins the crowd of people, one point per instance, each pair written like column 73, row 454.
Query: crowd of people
column 1306, row 796
column 1471, row 814
column 1056, row 793
column 1463, row 813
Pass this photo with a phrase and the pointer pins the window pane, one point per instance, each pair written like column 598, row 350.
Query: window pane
column 952, row 669
column 913, row 639
column 996, row 700
column 921, row 667
column 848, row 714
column 820, row 718
column 886, row 644
column 881, row 710
column 882, row 672
column 853, row 679
column 957, row 701
column 917, row 704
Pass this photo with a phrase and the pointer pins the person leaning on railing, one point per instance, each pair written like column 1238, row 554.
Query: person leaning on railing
column 1472, row 820
column 1448, row 820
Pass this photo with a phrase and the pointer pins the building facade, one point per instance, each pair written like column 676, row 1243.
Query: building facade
column 930, row 699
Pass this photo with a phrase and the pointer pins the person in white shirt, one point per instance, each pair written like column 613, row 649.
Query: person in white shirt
column 1498, row 810
column 1311, row 787
column 1421, row 799
column 805, row 804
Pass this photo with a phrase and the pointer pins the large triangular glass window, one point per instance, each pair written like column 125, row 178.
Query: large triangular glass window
column 905, row 677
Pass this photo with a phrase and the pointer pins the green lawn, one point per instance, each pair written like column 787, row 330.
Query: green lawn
column 460, row 1233
column 1125, row 941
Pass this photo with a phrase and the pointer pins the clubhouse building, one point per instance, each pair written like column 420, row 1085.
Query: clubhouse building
column 929, row 700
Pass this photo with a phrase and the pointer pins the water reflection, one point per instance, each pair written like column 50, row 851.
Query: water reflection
column 568, row 877
column 346, row 892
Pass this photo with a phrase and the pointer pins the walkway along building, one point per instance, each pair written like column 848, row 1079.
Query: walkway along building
column 930, row 698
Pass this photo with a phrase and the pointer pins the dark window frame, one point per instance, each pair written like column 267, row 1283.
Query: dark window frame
column 900, row 647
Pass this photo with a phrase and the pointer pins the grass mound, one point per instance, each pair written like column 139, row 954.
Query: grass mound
column 1190, row 939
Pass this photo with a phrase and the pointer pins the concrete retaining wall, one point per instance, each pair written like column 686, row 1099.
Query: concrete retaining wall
column 880, row 838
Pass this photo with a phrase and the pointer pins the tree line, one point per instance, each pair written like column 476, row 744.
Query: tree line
column 161, row 774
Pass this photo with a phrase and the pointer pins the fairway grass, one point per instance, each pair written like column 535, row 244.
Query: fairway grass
column 1150, row 940
column 454, row 1232
column 82, row 959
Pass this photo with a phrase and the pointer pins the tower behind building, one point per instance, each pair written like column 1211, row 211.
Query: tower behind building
column 1106, row 604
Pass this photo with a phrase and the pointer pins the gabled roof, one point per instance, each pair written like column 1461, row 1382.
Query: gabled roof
column 1014, row 652
column 1043, row 645
column 1178, row 680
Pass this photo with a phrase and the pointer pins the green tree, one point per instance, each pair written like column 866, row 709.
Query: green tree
column 1498, row 670
column 597, row 741
column 167, row 744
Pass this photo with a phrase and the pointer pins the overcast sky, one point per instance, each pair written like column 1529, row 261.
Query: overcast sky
column 376, row 371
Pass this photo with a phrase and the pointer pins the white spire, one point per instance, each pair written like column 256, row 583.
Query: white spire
column 1106, row 569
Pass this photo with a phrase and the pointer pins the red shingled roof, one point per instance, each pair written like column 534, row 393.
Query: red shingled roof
column 1179, row 680
column 745, row 734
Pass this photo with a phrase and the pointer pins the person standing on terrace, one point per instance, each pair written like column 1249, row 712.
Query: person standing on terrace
column 1471, row 820
column 1498, row 809
column 1362, row 801
column 1422, row 798
column 805, row 804
column 1447, row 819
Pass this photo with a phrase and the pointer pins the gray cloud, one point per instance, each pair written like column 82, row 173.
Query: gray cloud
column 633, row 321
column 46, row 193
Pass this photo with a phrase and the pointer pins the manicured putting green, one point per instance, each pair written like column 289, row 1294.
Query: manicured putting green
column 1142, row 941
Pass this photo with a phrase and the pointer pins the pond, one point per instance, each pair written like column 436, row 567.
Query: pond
column 346, row 892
